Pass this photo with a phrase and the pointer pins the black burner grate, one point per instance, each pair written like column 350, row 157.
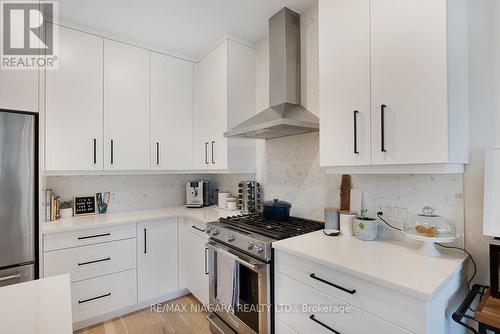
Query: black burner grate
column 276, row 229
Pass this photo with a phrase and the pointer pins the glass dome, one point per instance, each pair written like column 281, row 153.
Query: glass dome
column 427, row 224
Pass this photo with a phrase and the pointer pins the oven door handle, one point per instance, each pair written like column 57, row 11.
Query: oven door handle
column 237, row 259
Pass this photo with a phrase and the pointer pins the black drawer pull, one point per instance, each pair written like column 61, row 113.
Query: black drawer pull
column 95, row 151
column 198, row 229
column 382, row 128
column 95, row 261
column 313, row 318
column 206, row 262
column 356, row 132
column 94, row 298
column 331, row 284
column 95, row 236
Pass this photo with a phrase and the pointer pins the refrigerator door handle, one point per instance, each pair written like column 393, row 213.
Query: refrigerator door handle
column 7, row 278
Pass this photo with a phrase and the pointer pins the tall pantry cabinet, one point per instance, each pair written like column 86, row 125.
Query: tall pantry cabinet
column 393, row 84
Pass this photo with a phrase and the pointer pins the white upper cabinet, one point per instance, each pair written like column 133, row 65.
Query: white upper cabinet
column 225, row 96
column 74, row 111
column 126, row 107
column 19, row 90
column 345, row 82
column 172, row 100
column 418, row 84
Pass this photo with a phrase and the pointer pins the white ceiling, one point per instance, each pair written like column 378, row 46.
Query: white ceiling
column 188, row 27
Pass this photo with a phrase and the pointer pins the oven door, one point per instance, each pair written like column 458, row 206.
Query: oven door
column 252, row 312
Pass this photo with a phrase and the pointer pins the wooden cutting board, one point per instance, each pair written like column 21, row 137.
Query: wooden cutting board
column 345, row 192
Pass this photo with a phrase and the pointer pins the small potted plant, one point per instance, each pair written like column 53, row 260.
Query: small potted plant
column 66, row 209
column 365, row 228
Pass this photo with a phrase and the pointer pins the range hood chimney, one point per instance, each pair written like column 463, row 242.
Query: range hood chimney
column 286, row 116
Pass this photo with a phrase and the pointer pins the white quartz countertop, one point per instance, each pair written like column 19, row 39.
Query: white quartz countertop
column 42, row 307
column 200, row 215
column 390, row 263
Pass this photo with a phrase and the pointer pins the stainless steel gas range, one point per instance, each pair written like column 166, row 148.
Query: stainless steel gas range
column 247, row 239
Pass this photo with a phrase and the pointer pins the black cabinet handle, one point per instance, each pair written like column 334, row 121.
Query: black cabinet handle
column 145, row 241
column 95, row 151
column 112, row 153
column 213, row 143
column 95, row 261
column 94, row 236
column 313, row 276
column 206, row 153
column 313, row 318
column 382, row 128
column 199, row 229
column 356, row 132
column 157, row 153
column 94, row 298
column 206, row 262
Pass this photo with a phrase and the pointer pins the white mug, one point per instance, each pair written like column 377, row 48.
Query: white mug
column 346, row 220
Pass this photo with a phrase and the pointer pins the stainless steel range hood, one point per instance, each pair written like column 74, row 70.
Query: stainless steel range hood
column 286, row 117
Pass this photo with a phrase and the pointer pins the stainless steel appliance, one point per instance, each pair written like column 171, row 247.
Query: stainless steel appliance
column 248, row 238
column 249, row 197
column 18, row 197
column 285, row 117
column 197, row 194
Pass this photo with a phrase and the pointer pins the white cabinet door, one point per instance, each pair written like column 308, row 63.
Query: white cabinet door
column 19, row 90
column 157, row 259
column 126, row 107
column 198, row 283
column 171, row 113
column 344, row 60
column 74, row 111
column 409, row 81
column 211, row 110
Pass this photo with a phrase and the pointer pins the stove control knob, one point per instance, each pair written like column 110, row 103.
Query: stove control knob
column 230, row 238
column 214, row 232
column 259, row 248
column 208, row 230
column 250, row 246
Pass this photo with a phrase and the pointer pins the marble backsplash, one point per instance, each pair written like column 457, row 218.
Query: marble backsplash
column 128, row 192
column 291, row 172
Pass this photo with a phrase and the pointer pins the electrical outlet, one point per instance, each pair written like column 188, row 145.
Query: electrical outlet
column 395, row 212
column 387, row 211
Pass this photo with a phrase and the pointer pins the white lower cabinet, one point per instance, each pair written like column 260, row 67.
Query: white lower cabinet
column 157, row 259
column 325, row 300
column 194, row 260
column 119, row 269
column 324, row 312
column 97, row 296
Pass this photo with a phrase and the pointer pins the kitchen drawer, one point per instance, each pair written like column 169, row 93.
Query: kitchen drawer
column 400, row 309
column 97, row 296
column 351, row 321
column 87, row 237
column 91, row 261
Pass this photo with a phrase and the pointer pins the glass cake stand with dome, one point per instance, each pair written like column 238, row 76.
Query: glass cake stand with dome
column 430, row 229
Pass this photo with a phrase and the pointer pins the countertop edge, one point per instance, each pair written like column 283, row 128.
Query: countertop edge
column 425, row 296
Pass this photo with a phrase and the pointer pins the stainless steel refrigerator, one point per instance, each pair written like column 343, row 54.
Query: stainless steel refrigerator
column 18, row 197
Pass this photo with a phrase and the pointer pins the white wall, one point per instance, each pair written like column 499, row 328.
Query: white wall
column 484, row 120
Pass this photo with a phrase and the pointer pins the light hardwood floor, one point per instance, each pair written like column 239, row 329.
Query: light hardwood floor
column 147, row 322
